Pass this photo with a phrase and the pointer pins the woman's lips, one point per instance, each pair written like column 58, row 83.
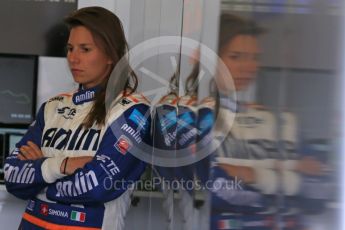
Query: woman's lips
column 76, row 71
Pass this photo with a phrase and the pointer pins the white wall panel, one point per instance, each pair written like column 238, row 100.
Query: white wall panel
column 54, row 77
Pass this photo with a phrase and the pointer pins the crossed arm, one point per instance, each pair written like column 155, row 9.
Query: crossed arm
column 31, row 151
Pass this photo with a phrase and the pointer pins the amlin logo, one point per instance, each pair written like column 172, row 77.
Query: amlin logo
column 78, row 216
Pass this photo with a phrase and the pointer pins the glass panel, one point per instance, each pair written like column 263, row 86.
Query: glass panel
column 292, row 144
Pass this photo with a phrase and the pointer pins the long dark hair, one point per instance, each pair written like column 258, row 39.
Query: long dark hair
column 232, row 25
column 107, row 31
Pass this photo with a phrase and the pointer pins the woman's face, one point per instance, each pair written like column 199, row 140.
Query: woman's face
column 240, row 55
column 88, row 63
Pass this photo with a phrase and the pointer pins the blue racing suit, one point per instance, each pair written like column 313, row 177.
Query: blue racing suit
column 96, row 196
column 248, row 141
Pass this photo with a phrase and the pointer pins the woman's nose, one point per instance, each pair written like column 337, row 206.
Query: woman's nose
column 250, row 64
column 73, row 56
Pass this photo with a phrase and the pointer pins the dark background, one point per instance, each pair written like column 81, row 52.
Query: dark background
column 34, row 27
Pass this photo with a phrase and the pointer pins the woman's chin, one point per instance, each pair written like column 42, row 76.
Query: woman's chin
column 78, row 80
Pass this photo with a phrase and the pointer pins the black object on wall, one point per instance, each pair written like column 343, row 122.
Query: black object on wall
column 34, row 27
column 18, row 90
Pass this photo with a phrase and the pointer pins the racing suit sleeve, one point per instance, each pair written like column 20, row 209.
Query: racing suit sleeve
column 24, row 178
column 114, row 168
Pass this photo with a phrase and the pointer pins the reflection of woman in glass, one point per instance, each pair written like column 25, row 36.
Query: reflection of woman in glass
column 250, row 140
column 239, row 50
column 248, row 152
column 74, row 164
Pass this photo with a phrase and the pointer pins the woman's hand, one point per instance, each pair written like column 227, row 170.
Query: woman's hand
column 70, row 164
column 244, row 173
column 310, row 166
column 30, row 152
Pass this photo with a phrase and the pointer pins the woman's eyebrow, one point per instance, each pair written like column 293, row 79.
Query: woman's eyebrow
column 81, row 44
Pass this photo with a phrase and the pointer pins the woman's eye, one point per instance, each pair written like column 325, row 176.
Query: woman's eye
column 69, row 49
column 235, row 56
column 85, row 49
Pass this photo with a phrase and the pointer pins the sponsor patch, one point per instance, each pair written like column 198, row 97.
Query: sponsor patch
column 44, row 209
column 188, row 136
column 187, row 118
column 24, row 175
column 108, row 165
column 185, row 121
column 84, row 96
column 123, row 144
column 229, row 224
column 169, row 138
column 78, row 216
column 168, row 120
column 31, row 205
column 58, row 213
column 206, row 123
column 138, row 119
column 57, row 98
column 125, row 101
column 67, row 112
column 86, row 181
column 71, row 139
column 134, row 133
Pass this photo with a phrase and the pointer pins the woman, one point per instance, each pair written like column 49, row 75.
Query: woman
column 74, row 164
column 239, row 181
column 239, row 50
